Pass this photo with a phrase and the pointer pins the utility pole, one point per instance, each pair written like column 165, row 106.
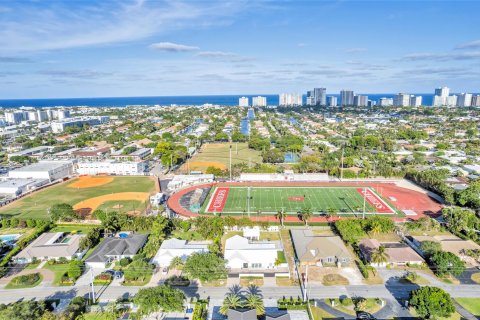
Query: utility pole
column 248, row 201
column 91, row 284
column 341, row 166
column 171, row 161
column 305, row 283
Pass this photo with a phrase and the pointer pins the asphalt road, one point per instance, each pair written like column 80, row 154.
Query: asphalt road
column 398, row 292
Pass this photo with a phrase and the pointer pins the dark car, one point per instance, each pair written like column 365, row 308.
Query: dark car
column 365, row 315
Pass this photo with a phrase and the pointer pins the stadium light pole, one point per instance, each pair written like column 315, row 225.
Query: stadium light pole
column 364, row 201
column 341, row 166
column 230, row 162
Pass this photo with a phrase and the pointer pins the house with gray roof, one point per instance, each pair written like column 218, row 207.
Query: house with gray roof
column 51, row 245
column 242, row 314
column 114, row 249
column 311, row 249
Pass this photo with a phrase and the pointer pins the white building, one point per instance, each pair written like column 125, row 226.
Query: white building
column 42, row 115
column 243, row 102
column 385, row 102
column 61, row 125
column 50, row 170
column 442, row 92
column 183, row 180
column 242, row 253
column 360, row 101
column 476, row 101
column 15, row 187
column 290, row 99
column 15, row 117
column 128, row 168
column 172, row 248
column 259, row 101
column 401, row 100
column 451, row 101
column 63, row 114
column 464, row 100
column 332, row 101
column 439, row 101
column 415, row 101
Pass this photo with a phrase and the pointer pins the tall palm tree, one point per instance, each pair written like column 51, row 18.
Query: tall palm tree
column 231, row 301
column 280, row 216
column 380, row 255
column 307, row 213
column 253, row 301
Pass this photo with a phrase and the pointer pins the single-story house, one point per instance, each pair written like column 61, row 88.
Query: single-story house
column 453, row 244
column 398, row 253
column 319, row 250
column 242, row 253
column 252, row 233
column 172, row 248
column 51, row 245
column 115, row 248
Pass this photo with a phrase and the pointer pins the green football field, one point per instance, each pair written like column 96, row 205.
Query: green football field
column 269, row 200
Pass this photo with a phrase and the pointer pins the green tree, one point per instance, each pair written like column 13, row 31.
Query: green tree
column 205, row 266
column 176, row 263
column 380, row 255
column 138, row 270
column 281, row 214
column 447, row 263
column 306, row 214
column 430, row 247
column 75, row 269
column 23, row 310
column 431, row 302
column 161, row 298
column 62, row 211
column 254, row 301
column 231, row 301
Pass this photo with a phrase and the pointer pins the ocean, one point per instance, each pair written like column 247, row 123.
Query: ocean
column 226, row 100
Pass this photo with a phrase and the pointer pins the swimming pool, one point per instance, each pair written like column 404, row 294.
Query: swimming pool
column 123, row 235
column 9, row 237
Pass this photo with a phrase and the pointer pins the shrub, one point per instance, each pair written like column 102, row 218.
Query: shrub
column 26, row 280
column 346, row 302
column 124, row 262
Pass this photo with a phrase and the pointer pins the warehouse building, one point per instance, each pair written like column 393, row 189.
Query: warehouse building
column 50, row 170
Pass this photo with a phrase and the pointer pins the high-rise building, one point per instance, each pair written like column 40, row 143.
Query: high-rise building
column 63, row 114
column 243, row 102
column 401, row 100
column 464, row 100
column 15, row 117
column 415, row 101
column 310, row 98
column 332, row 101
column 360, row 101
column 346, row 97
column 438, row 101
column 372, row 103
column 476, row 101
column 451, row 101
column 442, row 92
column 385, row 102
column 259, row 101
column 42, row 115
column 290, row 99
column 320, row 96
column 32, row 116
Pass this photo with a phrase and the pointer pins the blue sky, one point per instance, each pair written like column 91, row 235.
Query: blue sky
column 133, row 48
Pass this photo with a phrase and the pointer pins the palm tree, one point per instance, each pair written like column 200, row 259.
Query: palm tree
column 231, row 301
column 280, row 216
column 380, row 255
column 306, row 213
column 253, row 301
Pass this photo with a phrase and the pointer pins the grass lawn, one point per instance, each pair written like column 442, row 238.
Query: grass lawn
column 12, row 285
column 454, row 316
column 215, row 283
column 79, row 228
column 96, row 316
column 471, row 304
column 21, row 231
column 59, row 270
column 334, row 279
column 37, row 204
column 288, row 248
column 142, row 282
column 189, row 235
column 218, row 155
column 251, row 281
column 320, row 314
column 371, row 306
column 373, row 278
column 283, row 281
column 293, row 199
column 419, row 280
column 476, row 277
column 270, row 236
column 122, row 206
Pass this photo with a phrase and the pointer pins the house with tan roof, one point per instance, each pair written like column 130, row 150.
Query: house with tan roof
column 51, row 245
column 397, row 254
column 316, row 250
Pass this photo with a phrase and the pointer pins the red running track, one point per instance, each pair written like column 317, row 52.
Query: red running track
column 405, row 199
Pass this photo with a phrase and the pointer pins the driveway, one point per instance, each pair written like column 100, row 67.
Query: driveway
column 48, row 276
column 466, row 276
column 315, row 274
column 396, row 274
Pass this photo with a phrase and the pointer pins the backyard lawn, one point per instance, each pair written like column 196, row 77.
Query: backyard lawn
column 471, row 304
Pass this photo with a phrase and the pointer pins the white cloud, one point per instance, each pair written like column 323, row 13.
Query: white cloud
column 469, row 45
column 172, row 47
column 55, row 25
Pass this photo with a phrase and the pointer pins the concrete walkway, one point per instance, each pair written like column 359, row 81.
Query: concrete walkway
column 464, row 312
column 40, row 266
